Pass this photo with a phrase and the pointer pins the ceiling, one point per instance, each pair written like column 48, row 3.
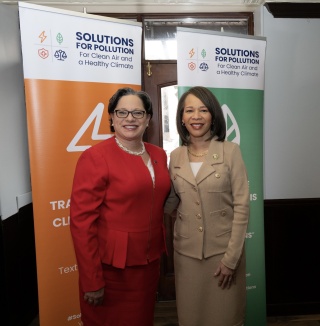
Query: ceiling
column 164, row 6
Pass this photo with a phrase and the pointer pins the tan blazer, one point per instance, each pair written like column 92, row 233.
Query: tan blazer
column 213, row 207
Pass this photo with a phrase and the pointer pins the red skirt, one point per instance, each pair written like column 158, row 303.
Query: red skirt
column 129, row 297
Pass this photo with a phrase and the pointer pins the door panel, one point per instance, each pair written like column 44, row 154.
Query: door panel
column 156, row 76
column 159, row 75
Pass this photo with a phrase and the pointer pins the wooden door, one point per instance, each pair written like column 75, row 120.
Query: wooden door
column 157, row 75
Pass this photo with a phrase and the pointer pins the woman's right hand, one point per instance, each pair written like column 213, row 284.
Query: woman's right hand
column 226, row 276
column 94, row 298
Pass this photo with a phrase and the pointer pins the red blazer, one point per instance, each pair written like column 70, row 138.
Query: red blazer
column 116, row 213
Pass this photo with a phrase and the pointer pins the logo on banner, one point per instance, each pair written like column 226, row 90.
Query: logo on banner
column 192, row 65
column 95, row 117
column 191, row 53
column 42, row 36
column 43, row 53
column 60, row 55
column 203, row 66
column 233, row 130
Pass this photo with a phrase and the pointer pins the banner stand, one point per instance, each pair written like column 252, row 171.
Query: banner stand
column 73, row 63
column 232, row 67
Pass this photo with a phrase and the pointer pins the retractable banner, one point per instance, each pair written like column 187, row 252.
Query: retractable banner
column 72, row 63
column 232, row 67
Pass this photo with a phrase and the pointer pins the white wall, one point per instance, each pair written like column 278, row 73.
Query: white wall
column 292, row 108
column 14, row 161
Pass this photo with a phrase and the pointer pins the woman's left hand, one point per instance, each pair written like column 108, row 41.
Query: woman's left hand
column 226, row 276
column 94, row 298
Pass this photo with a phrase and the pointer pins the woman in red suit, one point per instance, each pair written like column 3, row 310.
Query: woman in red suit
column 117, row 199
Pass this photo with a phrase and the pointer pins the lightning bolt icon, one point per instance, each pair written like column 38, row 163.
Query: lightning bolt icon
column 191, row 53
column 42, row 37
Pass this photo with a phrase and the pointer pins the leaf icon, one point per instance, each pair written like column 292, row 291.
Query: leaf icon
column 59, row 38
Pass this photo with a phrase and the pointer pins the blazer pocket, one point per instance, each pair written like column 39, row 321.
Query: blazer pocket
column 220, row 223
column 181, row 226
column 218, row 182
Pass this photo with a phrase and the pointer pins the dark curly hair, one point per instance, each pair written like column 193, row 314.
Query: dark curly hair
column 113, row 102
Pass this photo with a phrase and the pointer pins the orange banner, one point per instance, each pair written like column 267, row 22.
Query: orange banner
column 55, row 117
column 66, row 113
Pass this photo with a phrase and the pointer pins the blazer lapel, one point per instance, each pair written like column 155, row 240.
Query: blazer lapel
column 214, row 156
column 182, row 166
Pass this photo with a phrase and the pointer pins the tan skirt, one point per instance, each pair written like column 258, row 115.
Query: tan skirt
column 200, row 301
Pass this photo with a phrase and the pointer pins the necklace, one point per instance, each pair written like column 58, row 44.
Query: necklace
column 198, row 154
column 128, row 150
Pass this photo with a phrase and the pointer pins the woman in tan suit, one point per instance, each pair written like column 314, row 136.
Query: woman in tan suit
column 210, row 191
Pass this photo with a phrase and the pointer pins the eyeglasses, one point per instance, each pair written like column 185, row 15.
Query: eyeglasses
column 124, row 113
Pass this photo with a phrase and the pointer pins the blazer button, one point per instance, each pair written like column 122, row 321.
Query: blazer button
column 217, row 175
column 195, row 189
column 200, row 229
column 198, row 216
column 197, row 202
column 223, row 213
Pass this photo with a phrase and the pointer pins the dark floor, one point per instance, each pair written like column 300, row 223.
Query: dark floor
column 166, row 315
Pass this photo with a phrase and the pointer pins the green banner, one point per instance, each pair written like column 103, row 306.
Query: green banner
column 232, row 67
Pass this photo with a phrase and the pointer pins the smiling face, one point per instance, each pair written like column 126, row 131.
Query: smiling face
column 197, row 118
column 130, row 128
